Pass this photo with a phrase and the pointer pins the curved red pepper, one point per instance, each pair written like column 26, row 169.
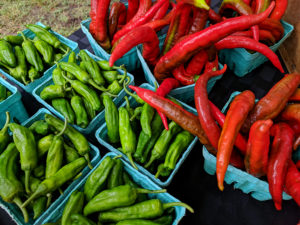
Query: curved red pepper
column 256, row 158
column 264, row 35
column 93, row 14
column 197, row 63
column 248, row 43
column 279, row 157
column 206, row 119
column 139, row 35
column 279, row 9
column 200, row 17
column 291, row 113
column 117, row 9
column 235, row 117
column 240, row 141
column 162, row 11
column 187, row 47
column 274, row 26
column 133, row 6
column 213, row 16
column 295, row 96
column 101, row 21
column 261, row 5
column 292, row 181
column 179, row 74
column 212, row 65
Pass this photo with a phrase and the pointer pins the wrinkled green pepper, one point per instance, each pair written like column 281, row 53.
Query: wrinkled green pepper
column 146, row 118
column 70, row 153
column 72, row 59
column 45, row 49
column 78, row 219
column 53, row 91
column 81, row 114
column 127, row 180
column 73, row 206
column 39, row 171
column 57, row 76
column 104, row 65
column 44, row 144
column 7, row 55
column 40, row 127
column 33, row 74
column 115, row 177
column 111, row 119
column 13, row 39
column 63, row 106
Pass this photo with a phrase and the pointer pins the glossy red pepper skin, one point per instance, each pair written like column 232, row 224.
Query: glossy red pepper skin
column 197, row 63
column 256, row 158
column 200, row 17
column 93, row 15
column 295, row 96
column 274, row 26
column 240, row 142
column 296, row 143
column 184, row 23
column 179, row 74
column 133, row 6
column 101, row 34
column 213, row 16
column 206, row 119
column 292, row 181
column 187, row 47
column 278, row 161
column 117, row 9
column 291, row 113
column 212, row 65
column 139, row 35
column 279, row 10
column 161, row 12
column 264, row 35
column 249, row 43
column 261, row 5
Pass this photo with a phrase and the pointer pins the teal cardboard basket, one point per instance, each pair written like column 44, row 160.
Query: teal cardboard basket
column 184, row 93
column 101, row 135
column 29, row 87
column 241, row 62
column 14, row 211
column 98, row 120
column 137, row 177
column 242, row 180
column 13, row 104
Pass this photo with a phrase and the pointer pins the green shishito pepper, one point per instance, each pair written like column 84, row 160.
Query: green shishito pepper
column 32, row 54
column 127, row 180
column 80, row 112
column 63, row 106
column 70, row 153
column 181, row 142
column 164, row 220
column 89, row 109
column 104, row 65
column 115, row 177
column 26, row 145
column 33, row 74
column 72, row 59
column 39, row 171
column 86, row 92
column 127, row 135
column 96, row 181
column 111, row 119
column 44, row 144
column 144, row 210
column 137, row 222
column 39, row 127
column 116, row 197
column 161, row 146
column 13, row 39
column 10, row 186
column 4, row 136
column 3, row 92
column 65, row 174
column 114, row 88
column 39, row 206
column 74, row 205
column 112, row 75
column 53, row 91
column 7, row 55
column 146, row 118
column 57, row 76
column 81, row 220
column 45, row 49
column 80, row 142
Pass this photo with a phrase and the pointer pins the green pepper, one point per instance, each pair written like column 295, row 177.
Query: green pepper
column 13, row 39
column 80, row 74
column 127, row 180
column 145, row 142
column 44, row 144
column 116, row 197
column 134, row 123
column 81, row 114
column 96, row 181
column 74, row 205
column 44, row 35
column 115, row 177
column 135, row 96
column 3, row 95
column 127, row 136
column 161, row 146
column 33, row 74
column 81, row 220
column 80, row 142
column 112, row 75
column 92, row 68
column 39, row 171
column 104, row 65
column 32, row 54
column 57, row 76
column 111, row 119
column 137, row 113
column 164, row 220
column 137, row 222
column 144, row 210
column 89, row 109
column 146, row 118
column 40, row 127
column 7, row 55
column 181, row 142
column 72, row 59
column 45, row 49
column 65, row 174
column 53, row 91
column 26, row 145
column 63, row 106
column 114, row 88
column 4, row 136
column 39, row 206
column 70, row 153
column 58, row 57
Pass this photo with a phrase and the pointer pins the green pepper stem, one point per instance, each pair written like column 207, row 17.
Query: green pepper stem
column 146, row 191
column 131, row 161
column 5, row 127
column 49, row 199
column 110, row 94
column 27, row 179
column 77, row 176
column 135, row 96
column 87, row 158
column 160, row 168
column 42, row 188
column 150, row 161
column 124, row 75
column 5, row 66
column 91, row 82
column 171, row 204
column 23, row 36
column 64, row 129
column 18, row 202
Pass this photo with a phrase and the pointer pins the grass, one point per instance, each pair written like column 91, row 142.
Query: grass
column 63, row 16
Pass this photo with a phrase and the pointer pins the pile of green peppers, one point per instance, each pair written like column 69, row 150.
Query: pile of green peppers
column 38, row 161
column 4, row 93
column 139, row 134
column 110, row 196
column 26, row 59
column 78, row 87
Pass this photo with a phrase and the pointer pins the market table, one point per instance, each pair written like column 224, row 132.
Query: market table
column 192, row 184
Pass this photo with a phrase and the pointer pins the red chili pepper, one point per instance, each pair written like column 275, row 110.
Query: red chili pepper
column 161, row 12
column 298, row 164
column 165, row 87
column 295, row 96
column 292, row 181
column 158, row 24
column 122, row 19
column 296, row 143
column 200, row 17
column 274, row 26
column 249, row 43
column 133, row 6
column 187, row 47
column 270, row 106
column 184, row 22
column 264, row 35
column 101, row 21
column 179, row 74
column 279, row 9
column 291, row 113
column 141, row 34
column 93, row 14
column 134, row 23
column 261, row 5
column 240, row 141
column 197, row 63
column 213, row 16
column 256, row 158
column 206, row 119
column 247, row 2
column 279, row 157
column 212, row 65
column 235, row 117
column 117, row 9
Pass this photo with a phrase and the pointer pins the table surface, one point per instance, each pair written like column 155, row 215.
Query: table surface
column 192, row 184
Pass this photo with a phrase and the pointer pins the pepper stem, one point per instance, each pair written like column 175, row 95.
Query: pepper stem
column 18, row 202
column 160, row 168
column 150, row 161
column 87, row 158
column 135, row 96
column 64, row 129
column 91, row 82
column 171, row 204
column 23, row 36
column 49, row 199
column 146, row 191
column 131, row 161
column 27, row 179
column 5, row 127
column 124, row 75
